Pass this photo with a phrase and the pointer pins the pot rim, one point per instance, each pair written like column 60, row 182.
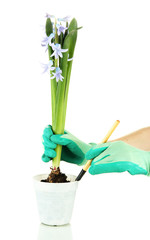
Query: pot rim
column 46, row 174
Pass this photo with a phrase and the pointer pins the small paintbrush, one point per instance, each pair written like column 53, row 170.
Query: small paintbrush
column 88, row 164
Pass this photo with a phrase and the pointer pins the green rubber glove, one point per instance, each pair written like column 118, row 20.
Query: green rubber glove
column 73, row 150
column 118, row 157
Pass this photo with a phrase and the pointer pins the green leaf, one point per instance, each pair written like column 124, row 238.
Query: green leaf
column 48, row 27
column 73, row 25
column 63, row 87
column 73, row 38
column 79, row 28
column 53, row 90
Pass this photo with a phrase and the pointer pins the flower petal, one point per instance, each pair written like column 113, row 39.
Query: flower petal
column 70, row 59
column 47, row 15
column 65, row 19
column 64, row 50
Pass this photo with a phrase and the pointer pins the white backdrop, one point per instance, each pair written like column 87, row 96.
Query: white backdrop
column 110, row 80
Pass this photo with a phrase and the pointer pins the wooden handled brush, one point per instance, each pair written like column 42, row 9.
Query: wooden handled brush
column 88, row 164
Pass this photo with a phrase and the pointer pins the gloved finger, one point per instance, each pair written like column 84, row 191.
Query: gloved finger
column 104, row 167
column 95, row 151
column 45, row 158
column 60, row 139
column 48, row 132
column 120, row 166
column 48, row 143
column 49, row 152
column 134, row 169
column 101, row 159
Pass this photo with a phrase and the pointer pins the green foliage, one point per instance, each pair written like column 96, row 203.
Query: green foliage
column 59, row 91
column 73, row 25
column 48, row 27
column 72, row 41
column 62, row 88
column 53, row 89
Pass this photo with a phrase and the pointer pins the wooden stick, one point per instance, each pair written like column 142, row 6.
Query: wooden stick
column 88, row 164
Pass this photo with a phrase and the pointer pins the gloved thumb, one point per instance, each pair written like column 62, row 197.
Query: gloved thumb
column 60, row 139
column 95, row 151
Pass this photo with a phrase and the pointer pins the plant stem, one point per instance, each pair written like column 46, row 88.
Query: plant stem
column 59, row 127
column 53, row 90
column 57, row 123
column 56, row 160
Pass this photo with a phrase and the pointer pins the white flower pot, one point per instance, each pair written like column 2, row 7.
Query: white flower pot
column 55, row 200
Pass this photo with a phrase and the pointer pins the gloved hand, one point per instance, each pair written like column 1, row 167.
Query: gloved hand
column 118, row 157
column 73, row 150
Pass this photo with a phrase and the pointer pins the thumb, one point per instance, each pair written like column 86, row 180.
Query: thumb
column 60, row 139
column 95, row 151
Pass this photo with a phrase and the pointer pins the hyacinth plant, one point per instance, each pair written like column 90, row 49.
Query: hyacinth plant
column 60, row 41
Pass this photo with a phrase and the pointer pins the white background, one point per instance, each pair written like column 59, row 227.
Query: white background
column 110, row 80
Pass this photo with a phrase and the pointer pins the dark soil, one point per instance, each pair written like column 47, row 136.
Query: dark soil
column 56, row 177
